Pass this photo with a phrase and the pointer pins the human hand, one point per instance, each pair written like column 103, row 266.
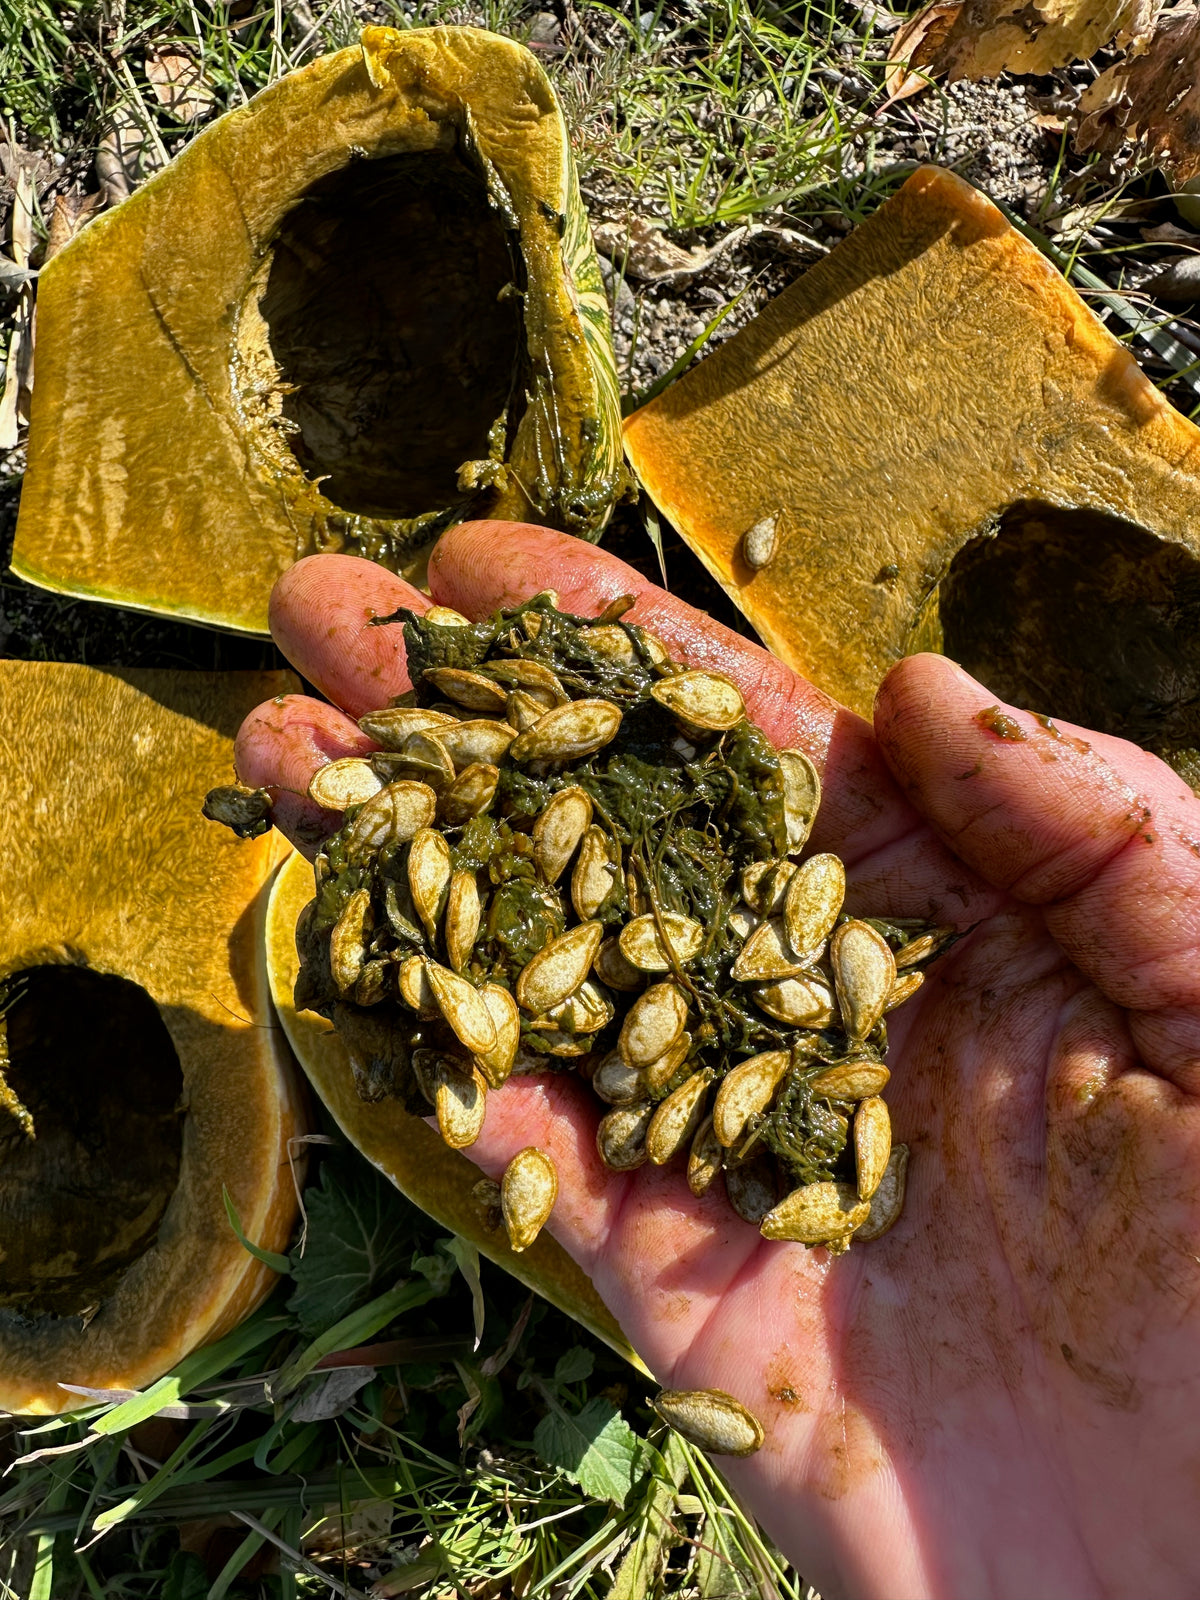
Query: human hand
column 997, row 1397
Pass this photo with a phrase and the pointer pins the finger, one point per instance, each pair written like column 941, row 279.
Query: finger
column 279, row 747
column 479, row 567
column 1106, row 841
column 321, row 614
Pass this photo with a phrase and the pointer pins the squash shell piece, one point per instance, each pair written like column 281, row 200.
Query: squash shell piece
column 983, row 389
column 404, row 1147
column 129, row 877
column 151, row 339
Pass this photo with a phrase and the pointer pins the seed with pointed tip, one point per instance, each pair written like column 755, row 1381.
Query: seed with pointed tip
column 905, row 986
column 463, row 1007
column 485, row 1202
column 746, row 1091
column 416, row 989
column 805, row 1001
column 616, row 1082
column 392, row 726
column 764, row 885
column 742, row 921
column 425, row 753
column 460, row 1101
column 677, row 1118
column 752, row 1187
column 429, row 870
column 711, row 1419
column 801, row 796
column 644, row 945
column 462, row 918
column 611, row 967
column 608, row 640
column 558, row 830
column 523, row 710
column 872, row 1144
column 533, row 678
column 470, row 689
column 558, row 968
column 887, row 1202
column 660, row 1071
column 621, row 1136
column 471, row 793
column 479, row 739
column 705, row 1159
column 497, row 1063
column 652, row 1024
column 446, row 617
column 814, row 898
column 595, row 873
column 396, row 813
column 767, row 954
column 760, row 541
column 577, row 729
column 921, row 949
column 528, row 1191
column 349, row 781
column 347, row 942
column 703, row 700
column 851, row 1080
column 816, row 1213
column 864, row 974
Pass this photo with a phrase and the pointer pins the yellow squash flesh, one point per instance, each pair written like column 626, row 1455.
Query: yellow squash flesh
column 111, row 873
column 957, row 455
column 355, row 310
column 404, row 1148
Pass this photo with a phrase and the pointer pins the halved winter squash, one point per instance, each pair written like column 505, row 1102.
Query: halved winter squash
column 139, row 1071
column 929, row 442
column 361, row 307
column 407, row 1150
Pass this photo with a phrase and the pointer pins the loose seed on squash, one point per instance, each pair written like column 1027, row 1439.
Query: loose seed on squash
column 746, row 1091
column 460, row 1102
column 349, row 781
column 814, row 898
column 760, row 541
column 471, row 793
column 497, row 1063
column 805, row 1001
column 621, row 1136
column 816, row 1213
column 347, row 942
column 470, row 689
column 887, row 1203
column 558, row 968
column 678, row 1116
column 711, row 1419
column 429, row 870
column 577, row 729
column 463, row 1007
column 528, row 1191
column 864, row 974
column 705, row 1159
column 594, row 875
column 703, row 700
column 652, row 1024
column 556, row 833
column 851, row 1080
column 391, row 818
column 462, row 918
column 801, row 796
column 644, row 946
column 392, row 726
column 872, row 1144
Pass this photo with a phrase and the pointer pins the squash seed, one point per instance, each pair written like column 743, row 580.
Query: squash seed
column 560, row 1043
column 644, row 946
column 905, row 986
column 528, row 1191
column 851, row 1080
column 471, row 793
column 621, row 1136
column 752, row 1187
column 480, row 739
column 348, row 940
column 746, row 1091
column 872, row 1144
column 705, row 700
column 864, row 973
column 462, row 918
column 557, row 832
column 616, row 1083
column 760, row 541
column 391, row 818
column 652, row 1024
column 535, row 679
column 577, row 729
column 429, row 870
column 816, row 1213
column 586, row 1011
column 921, row 949
column 595, row 874
column 416, row 990
column 393, row 725
column 349, row 781
column 446, row 617
column 887, row 1202
column 460, row 1102
column 801, row 796
column 764, row 885
column 522, row 710
column 470, row 689
column 608, row 640
column 805, row 1001
column 611, row 967
column 814, row 898
column 425, row 753
column 768, row 954
column 743, row 921
column 497, row 1063
column 463, row 1007
column 677, row 1118
column 705, row 1159
column 660, row 1072
column 485, row 1202
column 710, row 1419
column 558, row 968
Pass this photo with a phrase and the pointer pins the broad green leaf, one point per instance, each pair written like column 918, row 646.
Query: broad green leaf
column 596, row 1446
column 185, row 1578
column 574, row 1366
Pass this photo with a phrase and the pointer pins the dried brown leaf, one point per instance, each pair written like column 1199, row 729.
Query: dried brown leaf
column 178, row 81
column 1152, row 98
column 916, row 44
column 993, row 36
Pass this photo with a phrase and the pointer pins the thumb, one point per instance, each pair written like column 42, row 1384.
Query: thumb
column 1104, row 837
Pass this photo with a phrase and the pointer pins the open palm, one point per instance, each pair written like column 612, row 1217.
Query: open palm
column 999, row 1397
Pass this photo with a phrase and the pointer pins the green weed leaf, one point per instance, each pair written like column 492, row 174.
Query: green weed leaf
column 574, row 1366
column 596, row 1446
column 359, row 1239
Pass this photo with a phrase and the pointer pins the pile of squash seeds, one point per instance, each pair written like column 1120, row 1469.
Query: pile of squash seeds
column 571, row 853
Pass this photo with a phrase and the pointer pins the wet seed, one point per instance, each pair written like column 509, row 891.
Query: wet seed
column 528, row 1191
column 905, row 986
column 522, row 710
column 705, row 1159
column 677, row 1118
column 660, row 1072
column 392, row 726
column 746, row 1091
column 391, row 818
column 616, row 1083
column 557, row 832
column 348, row 940
column 586, row 1011
column 621, row 1136
column 534, row 679
column 704, row 700
column 644, row 946
column 608, row 640
column 767, row 954
column 816, row 1213
column 559, row 1043
column 479, row 740
column 463, row 1007
column 864, row 973
column 764, row 885
column 923, row 948
column 801, row 796
column 497, row 1063
column 485, row 1202
column 425, row 753
column 711, row 1420
column 462, row 919
column 760, row 541
column 416, row 989
column 611, row 967
column 460, row 1101
column 470, row 689
column 802, row 1002
column 558, row 968
column 743, row 921
column 653, row 1023
column 447, row 617
column 851, row 1080
column 594, row 875
column 872, row 1144
column 814, row 898
column 568, row 732
column 429, row 869
column 349, row 781
column 752, row 1187
column 887, row 1203
column 471, row 793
